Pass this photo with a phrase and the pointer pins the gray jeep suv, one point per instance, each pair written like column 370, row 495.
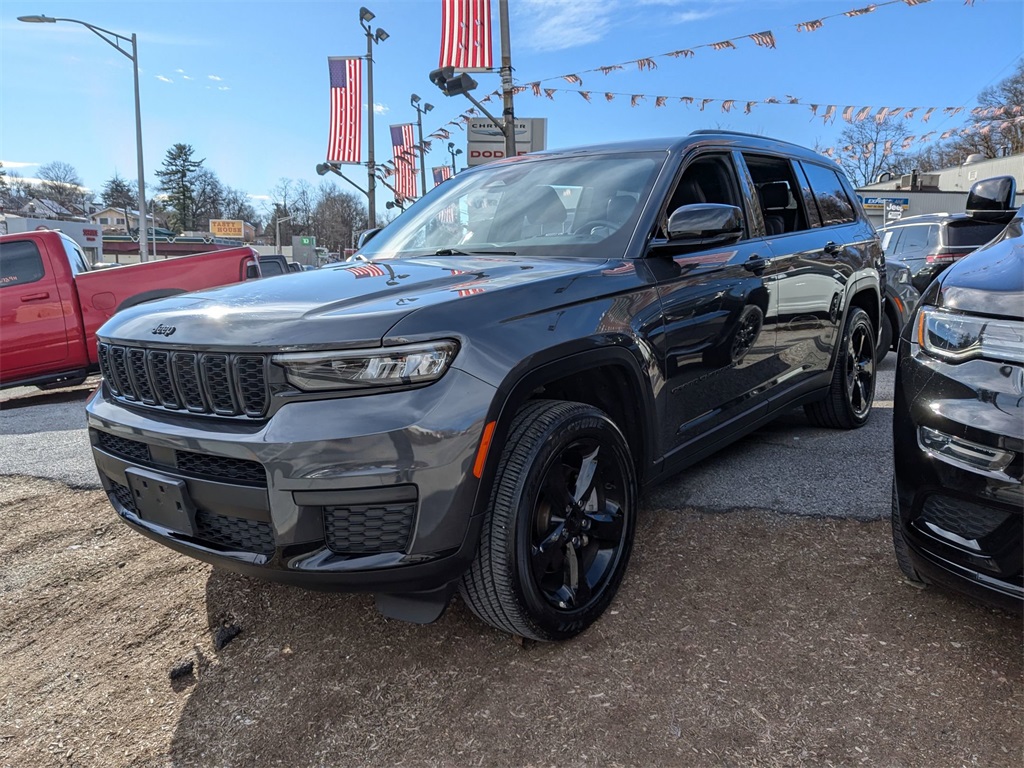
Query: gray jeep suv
column 476, row 402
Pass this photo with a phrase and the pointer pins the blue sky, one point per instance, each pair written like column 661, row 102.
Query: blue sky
column 245, row 83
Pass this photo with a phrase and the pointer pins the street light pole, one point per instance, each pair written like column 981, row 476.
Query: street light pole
column 415, row 101
column 453, row 152
column 509, row 127
column 277, row 231
column 366, row 16
column 115, row 40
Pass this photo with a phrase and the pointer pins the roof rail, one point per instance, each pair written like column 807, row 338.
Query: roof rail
column 718, row 132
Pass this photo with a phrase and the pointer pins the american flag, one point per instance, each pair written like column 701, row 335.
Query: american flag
column 466, row 34
column 405, row 152
column 366, row 270
column 345, row 142
column 441, row 173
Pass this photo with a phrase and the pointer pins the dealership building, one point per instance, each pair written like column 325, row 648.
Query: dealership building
column 942, row 191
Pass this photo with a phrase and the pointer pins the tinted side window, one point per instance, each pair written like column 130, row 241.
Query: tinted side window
column 778, row 192
column 20, row 263
column 834, row 205
column 75, row 256
column 890, row 241
column 916, row 240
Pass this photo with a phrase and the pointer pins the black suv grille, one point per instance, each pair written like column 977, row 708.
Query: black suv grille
column 235, row 532
column 222, row 467
column 209, row 383
column 368, row 528
column 121, row 446
column 964, row 518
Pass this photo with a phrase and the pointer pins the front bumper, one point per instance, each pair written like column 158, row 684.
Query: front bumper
column 963, row 526
column 373, row 493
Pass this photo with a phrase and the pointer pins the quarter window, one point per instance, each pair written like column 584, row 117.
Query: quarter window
column 833, row 204
column 20, row 263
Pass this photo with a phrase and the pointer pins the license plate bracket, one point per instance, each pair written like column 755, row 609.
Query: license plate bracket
column 162, row 500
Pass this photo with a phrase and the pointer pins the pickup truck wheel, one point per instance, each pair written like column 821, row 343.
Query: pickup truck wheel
column 559, row 527
column 852, row 391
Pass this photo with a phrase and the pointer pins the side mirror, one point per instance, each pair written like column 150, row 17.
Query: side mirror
column 992, row 199
column 366, row 236
column 705, row 224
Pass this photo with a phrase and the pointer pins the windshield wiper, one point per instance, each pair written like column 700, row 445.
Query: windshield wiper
column 456, row 252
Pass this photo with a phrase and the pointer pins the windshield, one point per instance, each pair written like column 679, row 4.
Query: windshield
column 557, row 206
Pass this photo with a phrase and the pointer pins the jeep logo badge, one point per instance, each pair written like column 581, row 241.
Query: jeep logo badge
column 164, row 330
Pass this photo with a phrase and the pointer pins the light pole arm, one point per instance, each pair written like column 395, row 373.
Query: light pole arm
column 337, row 171
column 112, row 39
column 497, row 123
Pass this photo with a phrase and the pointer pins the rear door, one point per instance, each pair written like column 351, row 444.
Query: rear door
column 34, row 334
column 718, row 341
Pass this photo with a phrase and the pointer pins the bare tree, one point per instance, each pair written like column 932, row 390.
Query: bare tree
column 61, row 183
column 337, row 216
column 869, row 148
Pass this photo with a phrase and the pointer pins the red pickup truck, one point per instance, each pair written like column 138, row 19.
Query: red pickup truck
column 52, row 302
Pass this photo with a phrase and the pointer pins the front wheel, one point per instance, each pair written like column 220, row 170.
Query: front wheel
column 559, row 527
column 852, row 391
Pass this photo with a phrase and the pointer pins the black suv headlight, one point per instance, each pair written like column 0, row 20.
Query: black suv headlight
column 958, row 337
column 390, row 367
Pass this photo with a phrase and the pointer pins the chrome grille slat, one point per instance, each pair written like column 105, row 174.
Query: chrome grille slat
column 216, row 384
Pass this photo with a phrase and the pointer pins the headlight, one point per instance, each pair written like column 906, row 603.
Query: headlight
column 963, row 337
column 367, row 368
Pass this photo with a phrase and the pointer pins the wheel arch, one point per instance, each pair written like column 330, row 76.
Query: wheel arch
column 609, row 378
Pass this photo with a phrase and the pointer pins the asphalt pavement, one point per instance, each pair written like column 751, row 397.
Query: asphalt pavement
column 788, row 466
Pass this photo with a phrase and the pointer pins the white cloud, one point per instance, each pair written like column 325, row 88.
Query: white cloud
column 258, row 197
column 214, row 77
column 180, row 71
column 16, row 164
column 223, row 88
column 551, row 26
column 185, row 77
column 381, row 109
column 163, row 79
column 685, row 17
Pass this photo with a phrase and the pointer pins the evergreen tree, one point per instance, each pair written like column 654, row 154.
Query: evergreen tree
column 178, row 178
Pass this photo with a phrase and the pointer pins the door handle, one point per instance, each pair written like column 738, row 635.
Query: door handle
column 35, row 296
column 832, row 248
column 756, row 264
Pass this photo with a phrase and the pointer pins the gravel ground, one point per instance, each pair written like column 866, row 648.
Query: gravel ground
column 739, row 637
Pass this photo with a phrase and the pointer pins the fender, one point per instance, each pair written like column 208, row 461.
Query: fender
column 558, row 362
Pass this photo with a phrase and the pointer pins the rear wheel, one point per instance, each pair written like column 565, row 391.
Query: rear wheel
column 852, row 391
column 558, row 531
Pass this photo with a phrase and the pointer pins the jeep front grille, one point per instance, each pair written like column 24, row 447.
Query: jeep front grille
column 217, row 384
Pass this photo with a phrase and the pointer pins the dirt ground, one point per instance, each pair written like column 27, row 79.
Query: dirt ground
column 743, row 638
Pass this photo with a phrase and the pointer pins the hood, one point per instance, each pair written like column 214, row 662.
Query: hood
column 989, row 281
column 347, row 305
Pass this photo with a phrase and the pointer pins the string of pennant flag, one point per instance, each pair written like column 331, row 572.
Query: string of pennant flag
column 765, row 39
column 827, row 112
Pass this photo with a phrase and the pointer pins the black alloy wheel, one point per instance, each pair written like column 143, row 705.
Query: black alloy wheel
column 848, row 402
column 559, row 529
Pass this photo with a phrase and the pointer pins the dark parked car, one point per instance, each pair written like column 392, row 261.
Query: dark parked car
column 958, row 427
column 931, row 242
column 475, row 402
column 899, row 297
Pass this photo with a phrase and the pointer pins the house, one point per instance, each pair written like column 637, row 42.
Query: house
column 41, row 208
column 112, row 220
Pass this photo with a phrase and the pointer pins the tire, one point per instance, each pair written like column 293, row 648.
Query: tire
column 885, row 338
column 552, row 554
column 899, row 543
column 852, row 390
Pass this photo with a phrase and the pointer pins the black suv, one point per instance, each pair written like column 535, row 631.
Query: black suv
column 476, row 402
column 929, row 243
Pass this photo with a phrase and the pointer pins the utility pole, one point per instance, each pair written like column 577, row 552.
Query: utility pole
column 509, row 126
